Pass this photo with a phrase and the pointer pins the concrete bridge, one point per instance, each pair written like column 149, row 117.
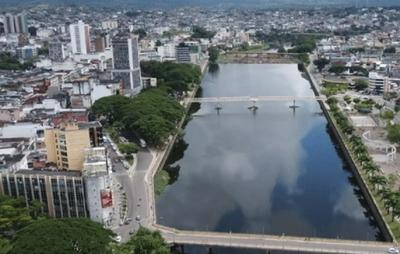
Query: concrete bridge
column 269, row 242
column 256, row 99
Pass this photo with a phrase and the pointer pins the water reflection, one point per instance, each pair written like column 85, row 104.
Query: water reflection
column 274, row 172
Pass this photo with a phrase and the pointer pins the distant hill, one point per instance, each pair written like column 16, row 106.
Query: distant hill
column 206, row 3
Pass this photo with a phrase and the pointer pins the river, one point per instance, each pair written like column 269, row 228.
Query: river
column 276, row 171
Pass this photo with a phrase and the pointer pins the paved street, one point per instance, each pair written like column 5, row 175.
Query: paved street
column 137, row 198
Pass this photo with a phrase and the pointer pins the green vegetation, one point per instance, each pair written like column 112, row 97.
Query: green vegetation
column 213, row 53
column 128, row 148
column 153, row 114
column 141, row 32
column 393, row 133
column 14, row 214
column 321, row 63
column 365, row 106
column 200, row 32
column 356, row 50
column 8, row 62
column 354, row 70
column 380, row 187
column 304, row 58
column 389, row 50
column 176, row 77
column 301, row 43
column 360, row 84
column 387, row 115
column 331, row 88
column 62, row 236
column 161, row 181
column 144, row 242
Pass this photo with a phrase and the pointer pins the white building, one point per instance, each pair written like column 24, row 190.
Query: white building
column 377, row 83
column 96, row 173
column 80, row 38
column 167, row 51
column 109, row 24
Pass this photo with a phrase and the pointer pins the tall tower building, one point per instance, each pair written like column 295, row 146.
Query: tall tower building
column 126, row 66
column 56, row 51
column 9, row 27
column 21, row 25
column 80, row 38
column 15, row 24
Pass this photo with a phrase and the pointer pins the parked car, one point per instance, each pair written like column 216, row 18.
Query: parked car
column 143, row 143
column 393, row 251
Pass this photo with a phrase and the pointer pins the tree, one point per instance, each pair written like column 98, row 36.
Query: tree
column 360, row 84
column 14, row 215
column 393, row 133
column 5, row 246
column 61, row 236
column 128, row 148
column 321, row 63
column 146, row 241
column 213, row 54
column 200, row 32
column 141, row 32
column 389, row 50
column 110, row 107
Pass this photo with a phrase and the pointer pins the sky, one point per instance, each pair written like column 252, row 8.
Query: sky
column 209, row 3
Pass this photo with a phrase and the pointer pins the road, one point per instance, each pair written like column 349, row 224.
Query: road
column 267, row 242
column 136, row 191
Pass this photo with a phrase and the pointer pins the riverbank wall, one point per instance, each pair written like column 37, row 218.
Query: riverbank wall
column 259, row 58
column 367, row 194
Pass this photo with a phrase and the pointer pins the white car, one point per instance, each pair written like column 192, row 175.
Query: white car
column 118, row 238
column 143, row 143
column 393, row 251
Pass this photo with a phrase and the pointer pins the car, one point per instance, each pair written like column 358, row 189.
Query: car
column 118, row 238
column 143, row 143
column 131, row 232
column 126, row 222
column 129, row 219
column 393, row 251
column 137, row 218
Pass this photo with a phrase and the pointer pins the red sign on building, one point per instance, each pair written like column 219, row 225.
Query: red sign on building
column 106, row 198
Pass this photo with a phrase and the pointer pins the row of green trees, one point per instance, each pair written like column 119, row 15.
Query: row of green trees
column 8, row 62
column 153, row 114
column 355, row 70
column 379, row 183
column 26, row 231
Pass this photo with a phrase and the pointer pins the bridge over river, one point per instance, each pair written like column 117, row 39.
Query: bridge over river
column 256, row 98
column 269, row 242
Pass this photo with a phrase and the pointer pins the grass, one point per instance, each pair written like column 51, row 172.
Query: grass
column 161, row 181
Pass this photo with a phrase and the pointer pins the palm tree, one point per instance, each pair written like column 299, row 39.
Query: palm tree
column 370, row 168
column 384, row 192
column 378, row 181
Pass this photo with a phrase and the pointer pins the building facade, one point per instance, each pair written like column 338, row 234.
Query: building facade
column 126, row 66
column 80, row 38
column 15, row 23
column 56, row 51
column 65, row 144
column 182, row 54
column 27, row 52
column 61, row 193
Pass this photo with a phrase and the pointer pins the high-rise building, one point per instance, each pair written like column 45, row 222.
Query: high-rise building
column 27, row 52
column 9, row 27
column 80, row 38
column 56, row 51
column 182, row 53
column 61, row 193
column 100, row 43
column 21, row 24
column 126, row 66
column 66, row 143
column 15, row 23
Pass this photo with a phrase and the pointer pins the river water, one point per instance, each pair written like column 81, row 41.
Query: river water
column 276, row 171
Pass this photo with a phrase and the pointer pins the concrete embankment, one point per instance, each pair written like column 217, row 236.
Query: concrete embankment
column 259, row 58
column 367, row 194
